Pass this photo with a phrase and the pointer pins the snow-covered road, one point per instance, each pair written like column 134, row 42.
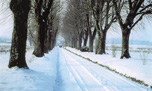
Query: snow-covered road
column 60, row 70
column 77, row 74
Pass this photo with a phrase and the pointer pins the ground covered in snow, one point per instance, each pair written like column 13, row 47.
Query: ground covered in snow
column 40, row 77
column 60, row 70
column 134, row 67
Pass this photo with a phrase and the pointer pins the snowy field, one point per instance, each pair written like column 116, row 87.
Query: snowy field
column 139, row 66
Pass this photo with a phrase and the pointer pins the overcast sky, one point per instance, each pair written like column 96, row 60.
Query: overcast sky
column 6, row 20
column 139, row 33
column 143, row 31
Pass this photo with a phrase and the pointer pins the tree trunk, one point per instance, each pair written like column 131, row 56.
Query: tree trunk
column 77, row 44
column 41, row 18
column 53, row 38
column 85, row 42
column 69, row 43
column 90, row 34
column 47, row 42
column 91, row 44
column 80, row 41
column 48, row 38
column 91, row 39
column 72, row 42
column 97, row 46
column 125, row 43
column 85, row 38
column 20, row 10
column 51, row 41
column 102, row 43
column 39, row 45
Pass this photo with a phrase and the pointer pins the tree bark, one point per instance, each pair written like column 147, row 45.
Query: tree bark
column 20, row 10
column 80, row 41
column 125, row 43
column 48, row 38
column 97, row 46
column 91, row 39
column 39, row 45
column 53, row 37
column 90, row 44
column 102, row 43
column 42, row 18
column 77, row 44
column 51, row 41
column 74, row 42
column 85, row 38
column 91, row 35
column 47, row 41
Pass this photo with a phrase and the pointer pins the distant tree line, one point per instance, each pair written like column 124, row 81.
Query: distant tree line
column 86, row 19
column 37, row 20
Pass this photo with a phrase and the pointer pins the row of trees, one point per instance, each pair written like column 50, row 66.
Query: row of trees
column 41, row 18
column 86, row 19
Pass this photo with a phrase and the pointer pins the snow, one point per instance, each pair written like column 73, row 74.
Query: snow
column 60, row 70
column 40, row 77
column 92, row 77
column 128, row 27
column 132, row 67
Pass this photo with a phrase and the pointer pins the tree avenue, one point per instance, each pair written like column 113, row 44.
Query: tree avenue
column 85, row 23
column 46, row 21
column 96, row 17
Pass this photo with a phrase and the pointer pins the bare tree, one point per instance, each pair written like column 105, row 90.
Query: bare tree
column 32, row 25
column 104, row 17
column 74, row 22
column 134, row 11
column 20, row 9
column 53, row 26
column 79, row 23
column 42, row 10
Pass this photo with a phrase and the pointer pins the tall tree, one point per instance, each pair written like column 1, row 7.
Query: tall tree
column 20, row 9
column 52, row 26
column 85, row 37
column 134, row 11
column 90, row 23
column 91, row 33
column 104, row 17
column 32, row 25
column 42, row 10
column 75, row 23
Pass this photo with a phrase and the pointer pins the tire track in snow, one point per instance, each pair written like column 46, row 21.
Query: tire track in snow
column 58, row 75
column 76, row 76
column 113, row 86
column 64, row 78
column 84, row 78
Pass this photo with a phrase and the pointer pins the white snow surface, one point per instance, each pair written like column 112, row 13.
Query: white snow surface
column 132, row 67
column 40, row 77
column 60, row 70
